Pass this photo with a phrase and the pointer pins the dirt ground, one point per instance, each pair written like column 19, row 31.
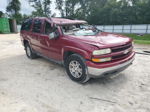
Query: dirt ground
column 42, row 86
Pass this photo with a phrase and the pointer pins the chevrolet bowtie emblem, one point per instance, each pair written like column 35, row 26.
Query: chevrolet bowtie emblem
column 125, row 52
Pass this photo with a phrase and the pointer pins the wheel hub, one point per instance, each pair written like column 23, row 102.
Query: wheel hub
column 75, row 69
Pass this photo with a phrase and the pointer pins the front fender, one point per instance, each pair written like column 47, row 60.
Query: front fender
column 79, row 51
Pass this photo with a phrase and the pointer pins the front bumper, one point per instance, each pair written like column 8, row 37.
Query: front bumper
column 96, row 72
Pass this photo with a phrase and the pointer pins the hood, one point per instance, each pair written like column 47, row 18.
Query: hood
column 103, row 39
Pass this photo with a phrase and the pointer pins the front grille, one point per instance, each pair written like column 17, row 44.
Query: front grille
column 121, row 48
column 121, row 56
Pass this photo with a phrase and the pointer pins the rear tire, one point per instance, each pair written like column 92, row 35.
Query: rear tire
column 76, row 68
column 30, row 54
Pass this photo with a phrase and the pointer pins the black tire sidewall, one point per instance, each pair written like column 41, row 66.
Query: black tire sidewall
column 32, row 56
column 78, row 58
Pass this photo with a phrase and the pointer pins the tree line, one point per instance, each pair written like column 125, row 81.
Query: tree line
column 99, row 12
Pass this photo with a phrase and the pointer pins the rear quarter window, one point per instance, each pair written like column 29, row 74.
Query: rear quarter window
column 26, row 25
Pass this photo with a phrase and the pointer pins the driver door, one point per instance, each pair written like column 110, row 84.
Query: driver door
column 51, row 48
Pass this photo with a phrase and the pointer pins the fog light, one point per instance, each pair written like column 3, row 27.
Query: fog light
column 101, row 59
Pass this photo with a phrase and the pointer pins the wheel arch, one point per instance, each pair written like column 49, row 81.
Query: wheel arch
column 67, row 51
column 25, row 42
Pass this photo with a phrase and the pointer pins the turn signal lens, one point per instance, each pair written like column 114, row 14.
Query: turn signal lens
column 101, row 60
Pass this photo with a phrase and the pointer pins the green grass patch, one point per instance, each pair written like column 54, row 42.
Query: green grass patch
column 143, row 39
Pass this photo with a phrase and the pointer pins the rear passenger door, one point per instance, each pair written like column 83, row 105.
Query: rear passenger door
column 36, row 34
column 44, row 37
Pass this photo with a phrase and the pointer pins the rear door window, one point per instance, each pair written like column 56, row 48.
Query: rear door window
column 37, row 26
column 48, row 28
column 26, row 25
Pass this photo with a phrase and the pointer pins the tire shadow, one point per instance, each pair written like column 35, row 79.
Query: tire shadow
column 121, row 78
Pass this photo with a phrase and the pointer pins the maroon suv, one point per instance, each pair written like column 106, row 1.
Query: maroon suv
column 85, row 51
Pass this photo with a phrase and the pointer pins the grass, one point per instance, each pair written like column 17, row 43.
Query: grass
column 144, row 39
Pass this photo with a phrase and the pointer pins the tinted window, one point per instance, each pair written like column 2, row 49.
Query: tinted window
column 37, row 26
column 26, row 25
column 48, row 28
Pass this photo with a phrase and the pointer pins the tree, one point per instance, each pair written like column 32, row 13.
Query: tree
column 1, row 14
column 42, row 7
column 84, row 9
column 67, row 8
column 60, row 7
column 106, row 11
column 13, row 9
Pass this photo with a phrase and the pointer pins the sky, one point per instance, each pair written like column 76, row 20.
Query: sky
column 25, row 7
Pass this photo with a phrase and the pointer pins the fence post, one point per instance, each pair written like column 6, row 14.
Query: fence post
column 130, row 28
column 147, row 29
column 104, row 28
column 122, row 28
column 113, row 28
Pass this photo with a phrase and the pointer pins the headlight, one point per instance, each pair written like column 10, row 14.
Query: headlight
column 102, row 51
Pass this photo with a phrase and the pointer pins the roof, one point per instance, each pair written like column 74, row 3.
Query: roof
column 62, row 21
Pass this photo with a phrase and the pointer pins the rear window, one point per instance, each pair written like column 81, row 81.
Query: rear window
column 37, row 26
column 26, row 25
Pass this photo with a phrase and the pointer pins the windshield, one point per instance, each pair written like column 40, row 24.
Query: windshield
column 79, row 30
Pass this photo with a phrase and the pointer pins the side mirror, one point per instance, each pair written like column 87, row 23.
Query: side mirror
column 52, row 35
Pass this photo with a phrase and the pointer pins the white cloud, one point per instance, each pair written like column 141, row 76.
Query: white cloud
column 3, row 4
column 25, row 7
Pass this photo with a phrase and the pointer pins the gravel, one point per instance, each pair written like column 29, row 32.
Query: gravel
column 42, row 86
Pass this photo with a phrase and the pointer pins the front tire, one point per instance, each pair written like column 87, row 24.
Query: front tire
column 30, row 54
column 76, row 68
